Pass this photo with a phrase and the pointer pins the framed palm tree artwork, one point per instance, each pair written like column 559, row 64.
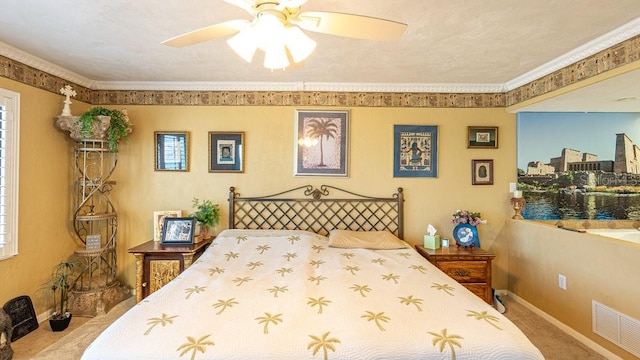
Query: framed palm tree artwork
column 321, row 143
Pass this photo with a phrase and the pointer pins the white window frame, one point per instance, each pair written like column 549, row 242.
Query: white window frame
column 10, row 102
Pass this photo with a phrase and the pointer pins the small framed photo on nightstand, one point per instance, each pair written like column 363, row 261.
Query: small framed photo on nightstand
column 158, row 221
column 178, row 230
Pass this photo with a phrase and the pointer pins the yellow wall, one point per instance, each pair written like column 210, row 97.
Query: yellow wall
column 46, row 175
column 269, row 167
column 44, row 220
column 529, row 255
column 597, row 268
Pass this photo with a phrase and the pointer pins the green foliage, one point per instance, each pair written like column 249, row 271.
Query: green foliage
column 207, row 214
column 63, row 278
column 571, row 176
column 118, row 129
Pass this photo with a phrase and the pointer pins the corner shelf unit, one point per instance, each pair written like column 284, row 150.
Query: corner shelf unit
column 95, row 224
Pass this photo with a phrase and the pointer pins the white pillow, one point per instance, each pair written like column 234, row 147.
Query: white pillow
column 376, row 240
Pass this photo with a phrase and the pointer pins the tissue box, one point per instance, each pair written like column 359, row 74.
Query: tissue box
column 432, row 242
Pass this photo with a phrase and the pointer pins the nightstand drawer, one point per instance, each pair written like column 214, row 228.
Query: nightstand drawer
column 469, row 267
column 480, row 290
column 465, row 271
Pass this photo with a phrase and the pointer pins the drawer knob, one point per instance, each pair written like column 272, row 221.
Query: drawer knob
column 462, row 272
column 144, row 284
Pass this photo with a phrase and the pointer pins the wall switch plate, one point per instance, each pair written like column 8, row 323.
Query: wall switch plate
column 562, row 282
column 513, row 187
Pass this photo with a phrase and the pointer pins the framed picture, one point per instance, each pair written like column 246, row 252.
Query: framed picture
column 178, row 230
column 93, row 242
column 226, row 151
column 483, row 137
column 321, row 143
column 415, row 151
column 172, row 151
column 158, row 221
column 482, row 172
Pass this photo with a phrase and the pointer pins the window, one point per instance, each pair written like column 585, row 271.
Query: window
column 9, row 146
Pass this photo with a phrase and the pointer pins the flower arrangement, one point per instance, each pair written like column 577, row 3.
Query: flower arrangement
column 467, row 217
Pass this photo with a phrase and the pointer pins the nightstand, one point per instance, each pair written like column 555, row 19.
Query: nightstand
column 157, row 264
column 469, row 267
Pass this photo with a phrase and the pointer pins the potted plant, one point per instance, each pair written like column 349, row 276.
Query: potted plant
column 207, row 215
column 98, row 123
column 62, row 279
column 118, row 128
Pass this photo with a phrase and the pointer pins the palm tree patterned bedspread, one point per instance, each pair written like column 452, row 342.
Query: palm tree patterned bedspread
column 258, row 294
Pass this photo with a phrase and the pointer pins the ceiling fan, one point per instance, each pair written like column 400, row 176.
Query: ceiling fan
column 276, row 30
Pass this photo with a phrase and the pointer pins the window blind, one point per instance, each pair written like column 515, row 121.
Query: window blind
column 9, row 146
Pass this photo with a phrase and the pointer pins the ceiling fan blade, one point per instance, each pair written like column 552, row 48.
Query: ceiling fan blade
column 207, row 33
column 246, row 5
column 355, row 26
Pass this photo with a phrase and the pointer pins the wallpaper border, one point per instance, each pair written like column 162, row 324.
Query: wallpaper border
column 609, row 59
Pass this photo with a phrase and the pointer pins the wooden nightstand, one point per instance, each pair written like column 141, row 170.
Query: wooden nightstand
column 471, row 268
column 157, row 264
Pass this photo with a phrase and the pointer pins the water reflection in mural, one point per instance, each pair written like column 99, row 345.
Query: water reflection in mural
column 578, row 205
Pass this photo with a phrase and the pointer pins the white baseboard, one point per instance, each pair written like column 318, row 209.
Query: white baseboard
column 44, row 316
column 571, row 332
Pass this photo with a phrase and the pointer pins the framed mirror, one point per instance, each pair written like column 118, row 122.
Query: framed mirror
column 172, row 150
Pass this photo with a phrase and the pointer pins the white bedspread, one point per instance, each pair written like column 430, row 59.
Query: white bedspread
column 257, row 294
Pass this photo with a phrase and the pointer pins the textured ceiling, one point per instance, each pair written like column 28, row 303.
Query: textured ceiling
column 470, row 44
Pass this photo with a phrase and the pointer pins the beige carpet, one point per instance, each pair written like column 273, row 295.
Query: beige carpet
column 552, row 342
column 73, row 344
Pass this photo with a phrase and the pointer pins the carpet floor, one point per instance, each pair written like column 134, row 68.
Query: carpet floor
column 43, row 344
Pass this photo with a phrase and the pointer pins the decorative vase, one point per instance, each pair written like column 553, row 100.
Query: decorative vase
column 466, row 235
column 60, row 324
column 73, row 126
column 205, row 232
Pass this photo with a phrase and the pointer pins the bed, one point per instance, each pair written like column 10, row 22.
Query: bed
column 312, row 277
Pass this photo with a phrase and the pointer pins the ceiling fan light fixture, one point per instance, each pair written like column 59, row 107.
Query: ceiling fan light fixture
column 244, row 44
column 268, row 30
column 275, row 57
column 277, row 29
column 300, row 45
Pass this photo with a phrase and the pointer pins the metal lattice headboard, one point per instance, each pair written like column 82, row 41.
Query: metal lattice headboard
column 317, row 212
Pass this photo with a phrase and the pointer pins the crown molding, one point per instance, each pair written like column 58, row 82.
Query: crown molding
column 408, row 88
column 601, row 43
column 593, row 47
column 296, row 86
column 196, row 86
column 43, row 65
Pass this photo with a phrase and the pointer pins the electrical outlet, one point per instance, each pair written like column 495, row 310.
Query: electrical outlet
column 562, row 282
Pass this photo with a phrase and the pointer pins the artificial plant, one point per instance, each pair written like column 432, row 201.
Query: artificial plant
column 118, row 129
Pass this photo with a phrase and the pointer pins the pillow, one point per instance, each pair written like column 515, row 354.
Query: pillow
column 376, row 240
